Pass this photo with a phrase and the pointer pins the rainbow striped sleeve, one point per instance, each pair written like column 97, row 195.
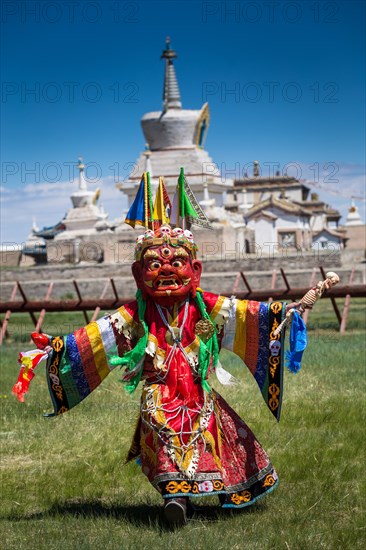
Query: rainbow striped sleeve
column 79, row 361
column 249, row 334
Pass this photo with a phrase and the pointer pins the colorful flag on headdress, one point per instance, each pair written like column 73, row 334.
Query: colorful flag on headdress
column 185, row 206
column 162, row 205
column 141, row 208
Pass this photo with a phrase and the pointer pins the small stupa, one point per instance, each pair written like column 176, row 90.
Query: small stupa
column 85, row 217
column 353, row 216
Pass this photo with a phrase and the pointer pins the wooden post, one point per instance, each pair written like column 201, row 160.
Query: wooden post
column 347, row 302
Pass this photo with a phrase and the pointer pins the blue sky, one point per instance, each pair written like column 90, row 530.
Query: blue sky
column 285, row 82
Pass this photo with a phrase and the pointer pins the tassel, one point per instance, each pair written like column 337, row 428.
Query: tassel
column 136, row 355
column 224, row 377
column 298, row 343
column 291, row 363
column 28, row 361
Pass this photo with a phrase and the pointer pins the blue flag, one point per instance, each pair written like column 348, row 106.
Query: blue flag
column 298, row 343
column 136, row 213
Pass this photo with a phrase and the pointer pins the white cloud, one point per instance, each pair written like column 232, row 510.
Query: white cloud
column 45, row 188
column 338, row 184
column 48, row 203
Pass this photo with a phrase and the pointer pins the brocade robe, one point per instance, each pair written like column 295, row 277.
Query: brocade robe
column 190, row 441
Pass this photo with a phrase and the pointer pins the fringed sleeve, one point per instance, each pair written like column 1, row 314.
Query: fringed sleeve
column 249, row 333
column 80, row 361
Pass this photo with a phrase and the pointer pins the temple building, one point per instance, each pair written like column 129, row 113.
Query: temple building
column 276, row 208
column 281, row 209
column 245, row 213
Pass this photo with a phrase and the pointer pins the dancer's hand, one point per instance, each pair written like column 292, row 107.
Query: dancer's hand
column 292, row 305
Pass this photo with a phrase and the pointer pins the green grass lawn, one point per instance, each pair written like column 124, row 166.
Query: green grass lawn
column 64, row 484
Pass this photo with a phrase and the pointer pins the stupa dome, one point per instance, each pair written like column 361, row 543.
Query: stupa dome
column 353, row 216
column 174, row 128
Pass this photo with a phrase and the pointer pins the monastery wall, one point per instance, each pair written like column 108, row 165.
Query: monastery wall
column 218, row 276
column 224, row 244
column 356, row 237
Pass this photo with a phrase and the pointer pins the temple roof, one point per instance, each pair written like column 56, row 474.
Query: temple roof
column 282, row 204
column 339, row 232
column 320, row 207
column 51, row 231
column 252, row 183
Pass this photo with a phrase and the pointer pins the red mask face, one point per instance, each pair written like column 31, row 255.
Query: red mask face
column 167, row 274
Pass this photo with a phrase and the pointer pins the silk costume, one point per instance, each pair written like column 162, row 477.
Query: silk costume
column 190, row 441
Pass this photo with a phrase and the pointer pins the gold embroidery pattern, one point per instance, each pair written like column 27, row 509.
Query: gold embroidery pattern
column 276, row 307
column 273, row 397
column 57, row 344
column 218, row 485
column 272, row 336
column 196, row 487
column 274, row 392
column 274, row 362
column 269, row 481
column 53, row 374
column 245, row 496
column 174, row 487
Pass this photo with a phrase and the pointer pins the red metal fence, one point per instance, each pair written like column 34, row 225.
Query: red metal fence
column 286, row 292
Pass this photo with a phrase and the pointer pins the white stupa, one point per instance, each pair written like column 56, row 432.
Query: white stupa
column 353, row 216
column 175, row 138
column 85, row 217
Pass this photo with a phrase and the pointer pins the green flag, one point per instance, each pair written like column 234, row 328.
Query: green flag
column 189, row 209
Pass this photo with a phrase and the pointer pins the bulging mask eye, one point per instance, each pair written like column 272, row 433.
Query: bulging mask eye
column 155, row 264
column 177, row 263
